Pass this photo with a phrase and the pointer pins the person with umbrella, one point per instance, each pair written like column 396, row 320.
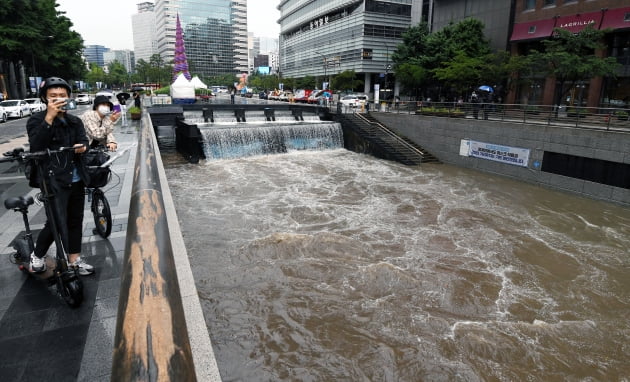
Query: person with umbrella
column 486, row 97
column 122, row 99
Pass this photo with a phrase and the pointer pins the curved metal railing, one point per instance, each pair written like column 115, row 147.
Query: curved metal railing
column 152, row 341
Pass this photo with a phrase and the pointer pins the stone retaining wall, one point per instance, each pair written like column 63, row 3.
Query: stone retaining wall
column 442, row 137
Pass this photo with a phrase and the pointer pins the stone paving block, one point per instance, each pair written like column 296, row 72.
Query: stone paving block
column 97, row 355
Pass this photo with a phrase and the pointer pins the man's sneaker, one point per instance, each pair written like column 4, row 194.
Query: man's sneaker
column 38, row 265
column 83, row 267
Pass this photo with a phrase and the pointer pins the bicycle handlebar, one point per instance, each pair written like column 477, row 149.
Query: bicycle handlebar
column 20, row 155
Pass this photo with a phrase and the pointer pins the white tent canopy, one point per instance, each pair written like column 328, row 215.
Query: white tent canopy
column 198, row 84
column 182, row 88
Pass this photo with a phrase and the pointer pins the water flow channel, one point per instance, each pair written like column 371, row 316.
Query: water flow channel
column 335, row 266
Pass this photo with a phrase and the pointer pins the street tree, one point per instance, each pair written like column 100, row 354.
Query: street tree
column 37, row 37
column 571, row 58
column 96, row 75
column 347, row 81
column 117, row 74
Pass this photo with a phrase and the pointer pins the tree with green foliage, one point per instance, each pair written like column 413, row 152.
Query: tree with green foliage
column 407, row 58
column 458, row 56
column 347, row 81
column 117, row 75
column 95, row 75
column 306, row 82
column 34, row 35
column 154, row 71
column 571, row 58
column 462, row 72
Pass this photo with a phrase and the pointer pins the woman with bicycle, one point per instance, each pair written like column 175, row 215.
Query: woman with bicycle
column 52, row 129
column 99, row 123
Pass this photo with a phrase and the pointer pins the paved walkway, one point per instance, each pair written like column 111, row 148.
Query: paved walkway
column 41, row 338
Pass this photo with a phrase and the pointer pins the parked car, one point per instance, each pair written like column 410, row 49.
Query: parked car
column 83, row 99
column 3, row 115
column 35, row 104
column 353, row 100
column 16, row 108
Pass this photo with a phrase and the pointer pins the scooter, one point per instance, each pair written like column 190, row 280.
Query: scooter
column 66, row 279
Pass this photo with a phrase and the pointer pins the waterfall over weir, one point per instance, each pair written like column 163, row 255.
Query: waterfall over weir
column 223, row 141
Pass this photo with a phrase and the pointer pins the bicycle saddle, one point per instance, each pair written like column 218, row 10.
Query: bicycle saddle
column 17, row 202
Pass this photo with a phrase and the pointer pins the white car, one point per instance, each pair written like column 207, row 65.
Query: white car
column 3, row 115
column 353, row 100
column 35, row 104
column 16, row 108
column 83, row 99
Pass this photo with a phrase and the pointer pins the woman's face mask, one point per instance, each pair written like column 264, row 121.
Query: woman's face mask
column 103, row 109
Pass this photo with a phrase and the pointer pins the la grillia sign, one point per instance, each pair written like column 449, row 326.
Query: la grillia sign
column 578, row 23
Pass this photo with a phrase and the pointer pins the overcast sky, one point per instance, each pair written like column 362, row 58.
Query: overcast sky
column 108, row 23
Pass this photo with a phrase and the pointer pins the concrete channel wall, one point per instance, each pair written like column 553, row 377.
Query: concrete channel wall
column 442, row 137
column 206, row 368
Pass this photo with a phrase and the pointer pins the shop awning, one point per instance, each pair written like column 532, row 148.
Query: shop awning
column 616, row 18
column 575, row 23
column 532, row 30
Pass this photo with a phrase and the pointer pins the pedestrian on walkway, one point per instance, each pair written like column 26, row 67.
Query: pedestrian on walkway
column 52, row 129
column 137, row 102
column 99, row 123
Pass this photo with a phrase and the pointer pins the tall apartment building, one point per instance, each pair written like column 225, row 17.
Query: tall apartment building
column 94, row 54
column 144, row 32
column 125, row 57
column 323, row 37
column 215, row 34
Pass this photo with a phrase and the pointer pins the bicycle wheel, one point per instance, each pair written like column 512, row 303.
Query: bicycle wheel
column 102, row 213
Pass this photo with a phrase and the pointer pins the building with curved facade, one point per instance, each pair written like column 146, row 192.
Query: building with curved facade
column 325, row 37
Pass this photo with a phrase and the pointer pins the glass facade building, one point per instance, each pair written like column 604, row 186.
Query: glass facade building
column 94, row 54
column 325, row 37
column 215, row 34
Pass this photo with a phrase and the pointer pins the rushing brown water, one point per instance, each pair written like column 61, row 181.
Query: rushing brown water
column 335, row 266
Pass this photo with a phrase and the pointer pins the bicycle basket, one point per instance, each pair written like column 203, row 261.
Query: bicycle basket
column 99, row 176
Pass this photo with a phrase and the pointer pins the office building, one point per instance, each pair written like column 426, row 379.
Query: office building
column 125, row 57
column 495, row 15
column 215, row 34
column 144, row 32
column 325, row 37
column 94, row 54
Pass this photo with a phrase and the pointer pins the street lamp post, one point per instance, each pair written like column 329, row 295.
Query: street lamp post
column 325, row 69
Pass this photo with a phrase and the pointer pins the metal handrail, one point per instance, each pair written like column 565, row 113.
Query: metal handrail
column 391, row 134
column 151, row 340
column 600, row 118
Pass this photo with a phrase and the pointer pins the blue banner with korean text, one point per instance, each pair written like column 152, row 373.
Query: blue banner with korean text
column 510, row 155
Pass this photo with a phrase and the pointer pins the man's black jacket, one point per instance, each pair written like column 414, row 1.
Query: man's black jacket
column 64, row 132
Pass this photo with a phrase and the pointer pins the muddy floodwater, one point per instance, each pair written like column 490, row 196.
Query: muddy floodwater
column 336, row 266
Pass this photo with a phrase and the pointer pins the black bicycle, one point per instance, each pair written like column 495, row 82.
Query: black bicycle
column 66, row 279
column 98, row 163
column 98, row 167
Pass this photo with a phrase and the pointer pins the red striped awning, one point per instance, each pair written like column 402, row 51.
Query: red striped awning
column 616, row 19
column 532, row 30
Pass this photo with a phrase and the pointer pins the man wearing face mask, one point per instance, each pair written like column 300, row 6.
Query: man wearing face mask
column 99, row 123
column 51, row 129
